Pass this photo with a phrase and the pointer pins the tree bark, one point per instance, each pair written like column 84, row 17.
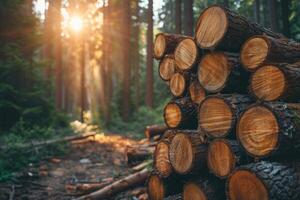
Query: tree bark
column 273, row 15
column 269, row 180
column 178, row 15
column 153, row 130
column 285, row 10
column 149, row 72
column 189, row 17
column 256, row 8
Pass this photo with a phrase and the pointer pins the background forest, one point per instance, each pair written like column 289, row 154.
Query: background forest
column 91, row 60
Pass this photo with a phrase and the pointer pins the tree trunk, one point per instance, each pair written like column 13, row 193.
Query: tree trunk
column 256, row 8
column 285, row 10
column 149, row 73
column 126, row 60
column 276, row 82
column 153, row 130
column 188, row 151
column 271, row 51
column 273, row 14
column 226, row 3
column 206, row 188
column 178, row 15
column 230, row 37
column 189, row 17
column 196, row 92
column 270, row 129
column 264, row 180
column 223, row 156
column 222, row 71
column 181, row 114
column 218, row 114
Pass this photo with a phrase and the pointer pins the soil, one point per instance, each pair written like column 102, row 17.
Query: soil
column 99, row 159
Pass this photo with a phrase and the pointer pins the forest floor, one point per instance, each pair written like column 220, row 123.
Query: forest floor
column 99, row 159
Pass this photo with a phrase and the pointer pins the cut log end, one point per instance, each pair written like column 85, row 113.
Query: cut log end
column 197, row 93
column 213, row 71
column 172, row 115
column 192, row 191
column 177, row 84
column 254, row 52
column 159, row 46
column 186, row 54
column 156, row 189
column 162, row 162
column 258, row 131
column 211, row 28
column 268, row 83
column 244, row 185
column 220, row 158
column 167, row 68
column 215, row 117
column 181, row 153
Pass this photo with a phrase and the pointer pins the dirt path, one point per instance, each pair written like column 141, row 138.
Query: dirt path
column 96, row 159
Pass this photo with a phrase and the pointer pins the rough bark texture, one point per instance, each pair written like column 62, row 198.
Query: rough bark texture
column 189, row 17
column 178, row 21
column 189, row 113
column 238, row 31
column 237, row 103
column 280, row 180
column 153, row 130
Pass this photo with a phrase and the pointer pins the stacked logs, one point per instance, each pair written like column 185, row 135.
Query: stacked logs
column 233, row 124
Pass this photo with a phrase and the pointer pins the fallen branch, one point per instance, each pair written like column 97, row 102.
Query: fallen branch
column 51, row 141
column 118, row 186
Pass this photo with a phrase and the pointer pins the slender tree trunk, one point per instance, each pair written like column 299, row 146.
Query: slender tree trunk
column 226, row 3
column 126, row 59
column 273, row 15
column 178, row 14
column 149, row 78
column 285, row 10
column 256, row 8
column 189, row 17
column 82, row 80
column 58, row 55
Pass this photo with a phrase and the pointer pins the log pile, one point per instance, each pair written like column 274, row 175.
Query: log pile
column 233, row 123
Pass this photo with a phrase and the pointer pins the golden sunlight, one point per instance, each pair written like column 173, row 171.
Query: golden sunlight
column 76, row 23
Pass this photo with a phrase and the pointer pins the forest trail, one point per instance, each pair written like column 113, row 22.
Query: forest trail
column 99, row 159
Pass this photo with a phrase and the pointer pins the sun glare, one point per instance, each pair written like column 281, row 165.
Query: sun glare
column 76, row 23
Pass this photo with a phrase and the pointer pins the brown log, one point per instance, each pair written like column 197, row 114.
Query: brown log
column 218, row 114
column 181, row 114
column 263, row 50
column 187, row 54
column 179, row 83
column 118, row 186
column 222, row 71
column 223, row 156
column 276, row 82
column 167, row 68
column 264, row 181
column 188, row 151
column 197, row 92
column 137, row 154
column 221, row 28
column 159, row 188
column 207, row 188
column 270, row 129
column 166, row 43
column 153, row 130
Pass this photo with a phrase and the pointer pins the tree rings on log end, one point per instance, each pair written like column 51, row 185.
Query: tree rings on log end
column 254, row 52
column 155, row 187
column 197, row 93
column 268, row 83
column 213, row 71
column 245, row 185
column 186, row 54
column 167, row 68
column 161, row 159
column 177, row 84
column 220, row 158
column 211, row 27
column 159, row 46
column 192, row 191
column 258, row 131
column 181, row 153
column 215, row 117
column 172, row 115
